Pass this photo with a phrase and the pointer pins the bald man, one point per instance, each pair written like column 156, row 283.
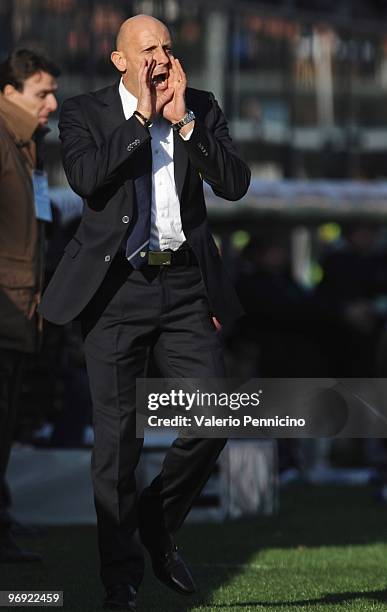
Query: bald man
column 143, row 274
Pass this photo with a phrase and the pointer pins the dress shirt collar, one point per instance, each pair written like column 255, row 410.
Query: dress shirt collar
column 129, row 101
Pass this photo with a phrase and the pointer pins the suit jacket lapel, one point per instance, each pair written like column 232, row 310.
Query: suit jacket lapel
column 113, row 114
column 180, row 160
column 112, row 117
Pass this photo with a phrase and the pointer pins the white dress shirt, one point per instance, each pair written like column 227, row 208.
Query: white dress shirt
column 166, row 228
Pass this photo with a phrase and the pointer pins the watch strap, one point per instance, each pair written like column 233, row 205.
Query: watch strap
column 188, row 117
column 147, row 122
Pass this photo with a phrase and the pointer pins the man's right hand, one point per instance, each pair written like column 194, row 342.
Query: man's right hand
column 149, row 103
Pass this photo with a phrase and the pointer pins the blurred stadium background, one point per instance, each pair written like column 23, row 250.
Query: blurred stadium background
column 304, row 85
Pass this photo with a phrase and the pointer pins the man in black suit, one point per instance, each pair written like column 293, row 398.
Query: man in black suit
column 143, row 274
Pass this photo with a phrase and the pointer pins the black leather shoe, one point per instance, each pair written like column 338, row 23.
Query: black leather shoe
column 120, row 597
column 169, row 567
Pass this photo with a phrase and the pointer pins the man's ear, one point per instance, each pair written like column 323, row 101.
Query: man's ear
column 118, row 60
column 9, row 91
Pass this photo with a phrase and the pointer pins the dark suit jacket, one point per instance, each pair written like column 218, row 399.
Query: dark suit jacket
column 102, row 154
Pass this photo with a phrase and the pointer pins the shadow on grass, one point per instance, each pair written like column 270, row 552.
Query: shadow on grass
column 217, row 553
column 328, row 600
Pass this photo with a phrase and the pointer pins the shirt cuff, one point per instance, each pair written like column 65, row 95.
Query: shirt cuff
column 188, row 135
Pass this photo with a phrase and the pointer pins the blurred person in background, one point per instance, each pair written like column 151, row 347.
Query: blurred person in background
column 282, row 317
column 28, row 85
column 354, row 289
column 143, row 274
column 285, row 323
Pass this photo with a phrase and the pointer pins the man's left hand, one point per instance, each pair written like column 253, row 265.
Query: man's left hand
column 175, row 110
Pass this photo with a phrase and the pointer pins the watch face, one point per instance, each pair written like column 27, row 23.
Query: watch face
column 190, row 116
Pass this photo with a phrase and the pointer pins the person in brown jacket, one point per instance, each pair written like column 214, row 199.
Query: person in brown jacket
column 27, row 97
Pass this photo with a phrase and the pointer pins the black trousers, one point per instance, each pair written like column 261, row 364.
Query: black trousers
column 11, row 363
column 164, row 310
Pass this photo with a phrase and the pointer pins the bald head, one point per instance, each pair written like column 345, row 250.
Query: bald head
column 142, row 38
column 137, row 23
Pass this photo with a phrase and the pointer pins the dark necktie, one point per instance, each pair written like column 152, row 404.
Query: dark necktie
column 138, row 240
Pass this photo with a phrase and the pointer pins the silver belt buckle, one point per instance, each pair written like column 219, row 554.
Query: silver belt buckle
column 159, row 258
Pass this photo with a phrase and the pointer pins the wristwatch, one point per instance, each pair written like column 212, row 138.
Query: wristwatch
column 188, row 117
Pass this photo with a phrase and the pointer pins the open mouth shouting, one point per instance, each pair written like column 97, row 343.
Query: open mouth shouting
column 160, row 80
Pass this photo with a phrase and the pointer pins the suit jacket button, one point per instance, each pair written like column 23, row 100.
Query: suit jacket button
column 129, row 147
column 107, row 258
column 125, row 219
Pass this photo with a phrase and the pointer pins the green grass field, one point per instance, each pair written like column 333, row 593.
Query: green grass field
column 325, row 551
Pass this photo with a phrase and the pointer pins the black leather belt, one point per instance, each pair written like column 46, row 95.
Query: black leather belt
column 182, row 257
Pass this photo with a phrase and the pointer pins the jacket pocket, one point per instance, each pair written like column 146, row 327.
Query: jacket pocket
column 73, row 247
